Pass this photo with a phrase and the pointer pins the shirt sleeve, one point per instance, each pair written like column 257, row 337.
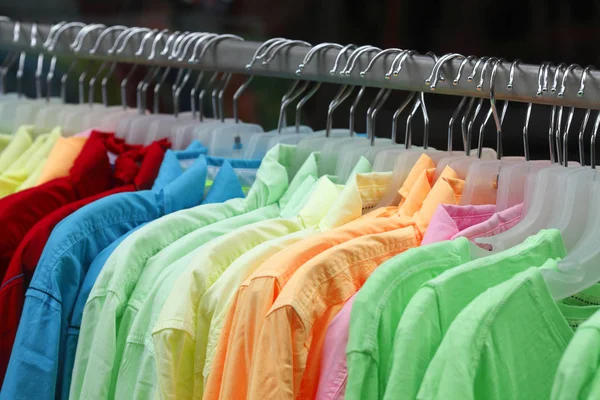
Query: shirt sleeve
column 578, row 366
column 34, row 362
column 416, row 341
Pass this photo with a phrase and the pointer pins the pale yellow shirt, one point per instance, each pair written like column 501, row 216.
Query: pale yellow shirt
column 21, row 169
column 20, row 142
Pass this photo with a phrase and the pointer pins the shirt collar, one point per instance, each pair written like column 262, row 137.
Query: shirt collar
column 272, row 182
column 225, row 186
column 187, row 190
column 446, row 190
column 423, row 164
column 362, row 192
column 448, row 220
column 171, row 168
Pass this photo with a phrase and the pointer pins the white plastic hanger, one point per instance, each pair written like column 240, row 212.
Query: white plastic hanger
column 579, row 269
column 261, row 143
column 481, row 176
column 512, row 178
column 8, row 107
column 544, row 188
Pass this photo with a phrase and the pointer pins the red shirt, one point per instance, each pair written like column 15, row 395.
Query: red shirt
column 90, row 173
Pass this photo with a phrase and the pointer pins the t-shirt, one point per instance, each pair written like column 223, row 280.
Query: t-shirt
column 506, row 344
column 578, row 375
column 432, row 309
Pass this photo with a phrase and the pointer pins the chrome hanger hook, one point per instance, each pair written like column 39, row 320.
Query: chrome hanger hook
column 380, row 54
column 433, row 79
column 461, row 68
column 218, row 39
column 349, row 67
column 584, row 75
column 140, row 51
column 131, row 35
column 157, row 40
column 511, row 74
column 78, row 45
column 399, row 62
column 257, row 53
column 60, row 31
column 280, row 46
column 564, row 80
column 339, row 56
column 105, row 33
column 314, row 51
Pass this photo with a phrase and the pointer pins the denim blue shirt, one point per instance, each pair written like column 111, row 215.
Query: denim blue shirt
column 37, row 361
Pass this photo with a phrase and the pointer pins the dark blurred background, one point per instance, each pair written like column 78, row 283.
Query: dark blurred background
column 532, row 30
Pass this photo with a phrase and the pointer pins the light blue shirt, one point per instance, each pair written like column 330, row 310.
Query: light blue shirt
column 37, row 362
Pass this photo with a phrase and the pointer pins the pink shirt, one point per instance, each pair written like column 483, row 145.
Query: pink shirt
column 449, row 222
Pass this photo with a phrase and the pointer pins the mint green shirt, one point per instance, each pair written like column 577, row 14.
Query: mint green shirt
column 22, row 168
column 92, row 375
column 578, row 375
column 506, row 344
column 432, row 309
column 20, row 142
column 379, row 305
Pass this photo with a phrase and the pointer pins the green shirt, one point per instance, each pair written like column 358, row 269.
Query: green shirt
column 92, row 376
column 22, row 168
column 20, row 142
column 379, row 305
column 578, row 375
column 506, row 344
column 433, row 308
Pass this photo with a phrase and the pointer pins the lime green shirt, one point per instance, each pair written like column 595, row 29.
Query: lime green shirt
column 578, row 375
column 379, row 305
column 20, row 142
column 92, row 376
column 506, row 344
column 21, row 169
column 432, row 309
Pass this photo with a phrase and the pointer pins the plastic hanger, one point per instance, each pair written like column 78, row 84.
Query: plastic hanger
column 579, row 269
column 372, row 147
column 261, row 143
column 401, row 162
column 8, row 107
column 26, row 112
column 460, row 163
column 134, row 128
column 94, row 118
column 480, row 187
column 512, row 178
column 543, row 187
column 229, row 139
column 71, row 120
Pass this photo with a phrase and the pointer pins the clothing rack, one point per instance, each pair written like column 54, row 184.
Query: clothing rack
column 231, row 55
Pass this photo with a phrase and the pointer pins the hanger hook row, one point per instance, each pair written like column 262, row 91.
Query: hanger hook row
column 380, row 54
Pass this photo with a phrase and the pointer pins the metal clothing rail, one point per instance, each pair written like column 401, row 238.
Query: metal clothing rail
column 230, row 55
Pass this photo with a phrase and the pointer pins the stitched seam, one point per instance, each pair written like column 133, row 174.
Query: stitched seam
column 10, row 280
column 494, row 229
column 46, row 293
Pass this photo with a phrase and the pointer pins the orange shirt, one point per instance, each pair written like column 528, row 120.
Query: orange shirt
column 61, row 158
column 237, row 354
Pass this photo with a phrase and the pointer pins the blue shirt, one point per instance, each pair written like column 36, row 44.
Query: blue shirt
column 36, row 361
